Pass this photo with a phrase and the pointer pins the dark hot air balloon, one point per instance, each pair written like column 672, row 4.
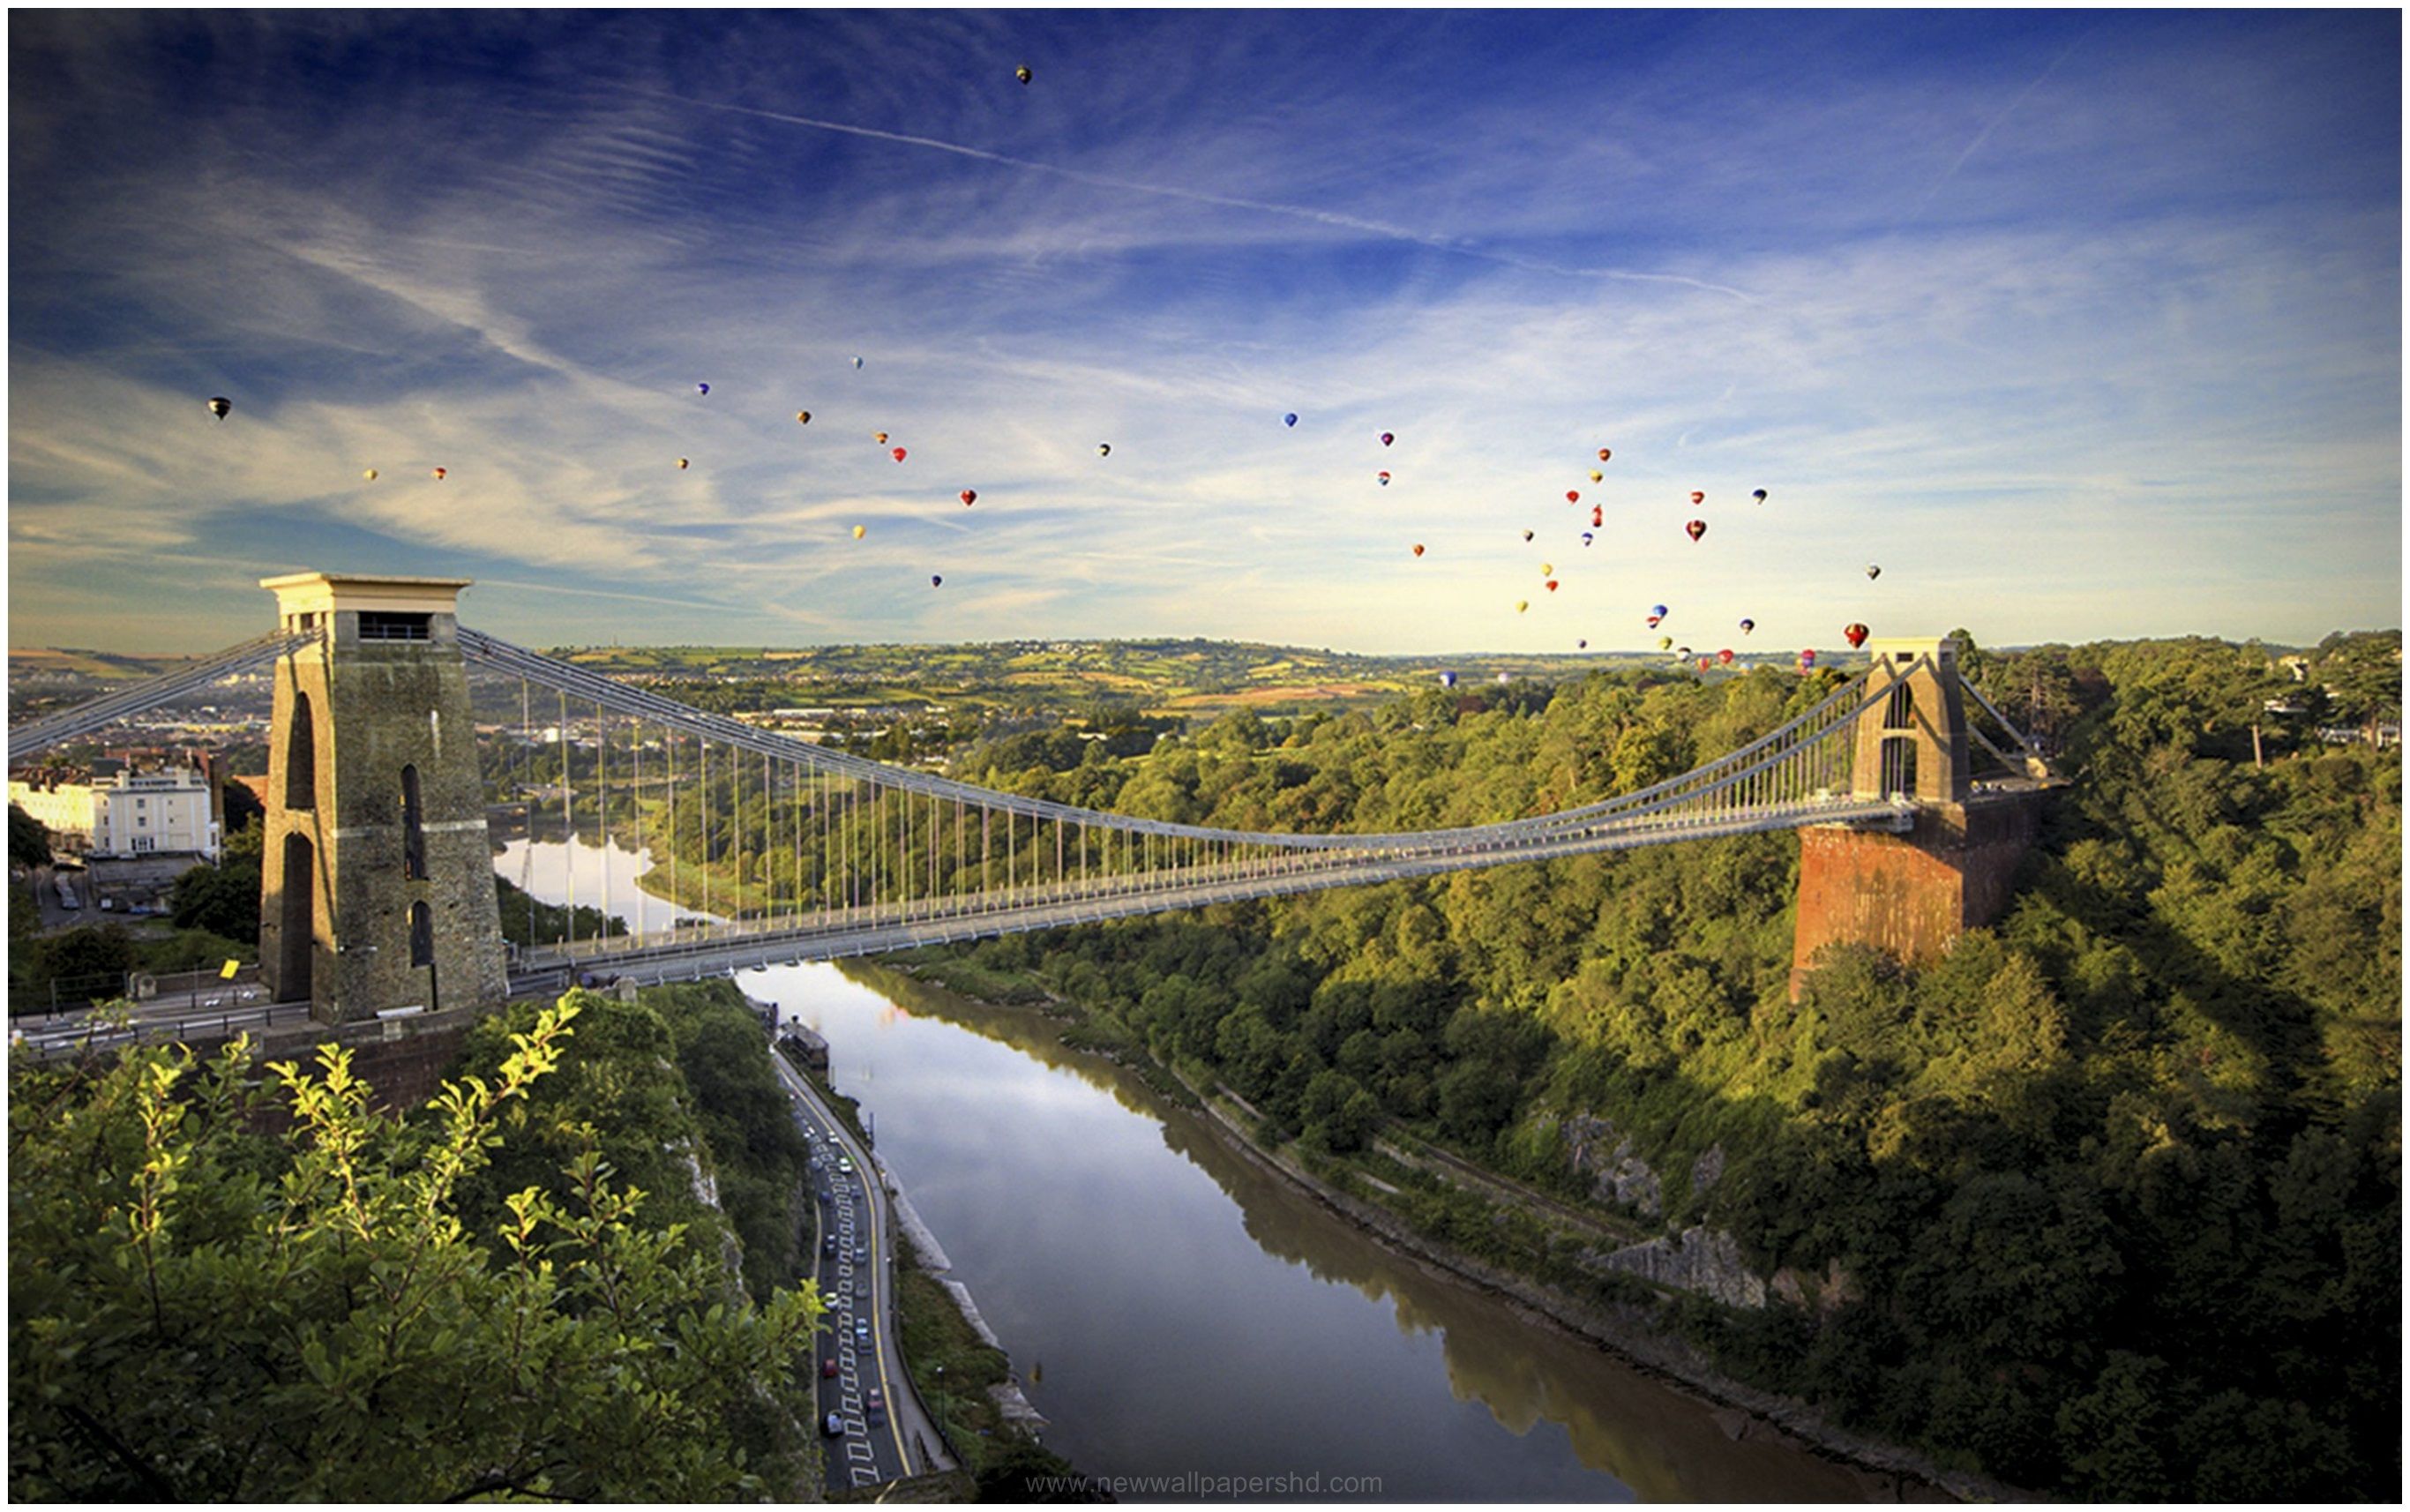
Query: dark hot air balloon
column 1748, row 625
column 220, row 406
column 703, row 388
column 1873, row 571
column 1697, row 529
column 1758, row 494
column 969, row 496
column 1387, row 438
column 1023, row 74
column 1418, row 548
column 802, row 417
column 1289, row 420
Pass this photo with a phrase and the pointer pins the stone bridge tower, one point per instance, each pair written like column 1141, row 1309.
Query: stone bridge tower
column 377, row 888
column 1912, row 895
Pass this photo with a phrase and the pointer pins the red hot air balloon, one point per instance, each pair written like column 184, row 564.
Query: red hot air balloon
column 897, row 453
column 1418, row 548
column 1552, row 585
column 970, row 497
column 1706, row 663
column 1725, row 656
column 1385, row 480
column 1598, row 514
column 1604, row 453
column 1697, row 529
column 1572, row 496
column 438, row 475
column 1855, row 635
column 1697, row 497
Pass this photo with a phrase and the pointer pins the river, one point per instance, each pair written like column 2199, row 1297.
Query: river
column 1176, row 1312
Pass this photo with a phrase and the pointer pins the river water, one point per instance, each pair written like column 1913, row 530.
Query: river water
column 1176, row 1312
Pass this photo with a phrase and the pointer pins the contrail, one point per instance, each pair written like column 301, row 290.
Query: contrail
column 1303, row 213
column 1983, row 136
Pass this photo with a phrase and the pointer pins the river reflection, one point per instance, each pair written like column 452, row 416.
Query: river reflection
column 1175, row 1310
column 591, row 874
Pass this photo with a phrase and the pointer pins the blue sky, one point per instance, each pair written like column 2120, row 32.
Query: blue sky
column 2081, row 326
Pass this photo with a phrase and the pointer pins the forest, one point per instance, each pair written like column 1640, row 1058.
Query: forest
column 2104, row 1203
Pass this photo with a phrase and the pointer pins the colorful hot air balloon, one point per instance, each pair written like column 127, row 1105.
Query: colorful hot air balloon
column 1447, row 680
column 1706, row 661
column 860, row 531
column 1806, row 662
column 1289, row 420
column 1387, row 438
column 370, row 475
column 1572, row 496
column 1855, row 635
column 802, row 417
column 1697, row 497
column 969, row 496
column 220, row 406
column 1385, row 480
column 438, row 475
column 1418, row 548
column 1725, row 656
column 1873, row 571
column 1653, row 620
column 681, row 464
column 1697, row 529
column 1758, row 494
column 897, row 453
column 703, row 388
column 879, row 436
column 1023, row 74
column 1748, row 625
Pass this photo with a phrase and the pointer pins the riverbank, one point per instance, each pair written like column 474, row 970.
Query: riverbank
column 1621, row 1315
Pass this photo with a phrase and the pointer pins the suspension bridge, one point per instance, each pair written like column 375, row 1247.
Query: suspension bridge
column 378, row 897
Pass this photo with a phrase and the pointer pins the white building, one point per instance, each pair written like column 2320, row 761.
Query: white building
column 136, row 814
column 65, row 810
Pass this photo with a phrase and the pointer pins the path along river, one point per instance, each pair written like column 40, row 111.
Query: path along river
column 1176, row 1311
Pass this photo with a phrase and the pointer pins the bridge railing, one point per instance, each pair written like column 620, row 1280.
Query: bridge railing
column 89, row 718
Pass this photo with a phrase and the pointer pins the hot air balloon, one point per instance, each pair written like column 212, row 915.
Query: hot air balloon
column 1748, row 625
column 857, row 364
column 1604, row 453
column 1697, row 497
column 438, row 475
column 1586, row 538
column 1806, row 662
column 703, row 388
column 1572, row 496
column 802, row 417
column 860, row 531
column 1527, row 535
column 969, row 496
column 1697, row 529
column 1447, row 680
column 897, row 453
column 1505, row 677
column 1104, row 449
column 1658, row 611
column 1598, row 514
column 1653, row 620
column 1418, row 548
column 681, row 464
column 1385, row 480
column 934, row 581
column 220, row 406
column 1597, row 476
column 1387, row 438
column 1664, row 643
column 1681, row 650
column 1706, row 661
column 1552, row 585
column 1289, row 420
column 879, row 436
column 1758, row 494
column 1873, row 571
column 1022, row 73
column 1855, row 635
column 370, row 475
column 1725, row 656
column 1546, row 568
column 1581, row 646
column 1521, row 604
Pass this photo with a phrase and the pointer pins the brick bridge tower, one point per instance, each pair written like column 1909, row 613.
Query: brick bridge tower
column 1912, row 895
column 377, row 887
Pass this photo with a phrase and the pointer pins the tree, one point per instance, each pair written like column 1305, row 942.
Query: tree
column 200, row 1311
column 29, row 842
column 223, row 899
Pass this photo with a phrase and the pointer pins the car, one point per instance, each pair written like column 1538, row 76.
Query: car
column 862, row 1328
column 874, row 1407
column 828, row 1244
column 845, row 1163
column 834, row 1426
column 828, row 1369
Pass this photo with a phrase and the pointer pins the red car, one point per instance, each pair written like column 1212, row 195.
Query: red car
column 828, row 1369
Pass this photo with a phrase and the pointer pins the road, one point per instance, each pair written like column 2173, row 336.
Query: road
column 853, row 1240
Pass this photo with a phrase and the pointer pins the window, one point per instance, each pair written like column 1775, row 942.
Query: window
column 414, row 838
column 422, row 934
column 1900, row 713
column 382, row 626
